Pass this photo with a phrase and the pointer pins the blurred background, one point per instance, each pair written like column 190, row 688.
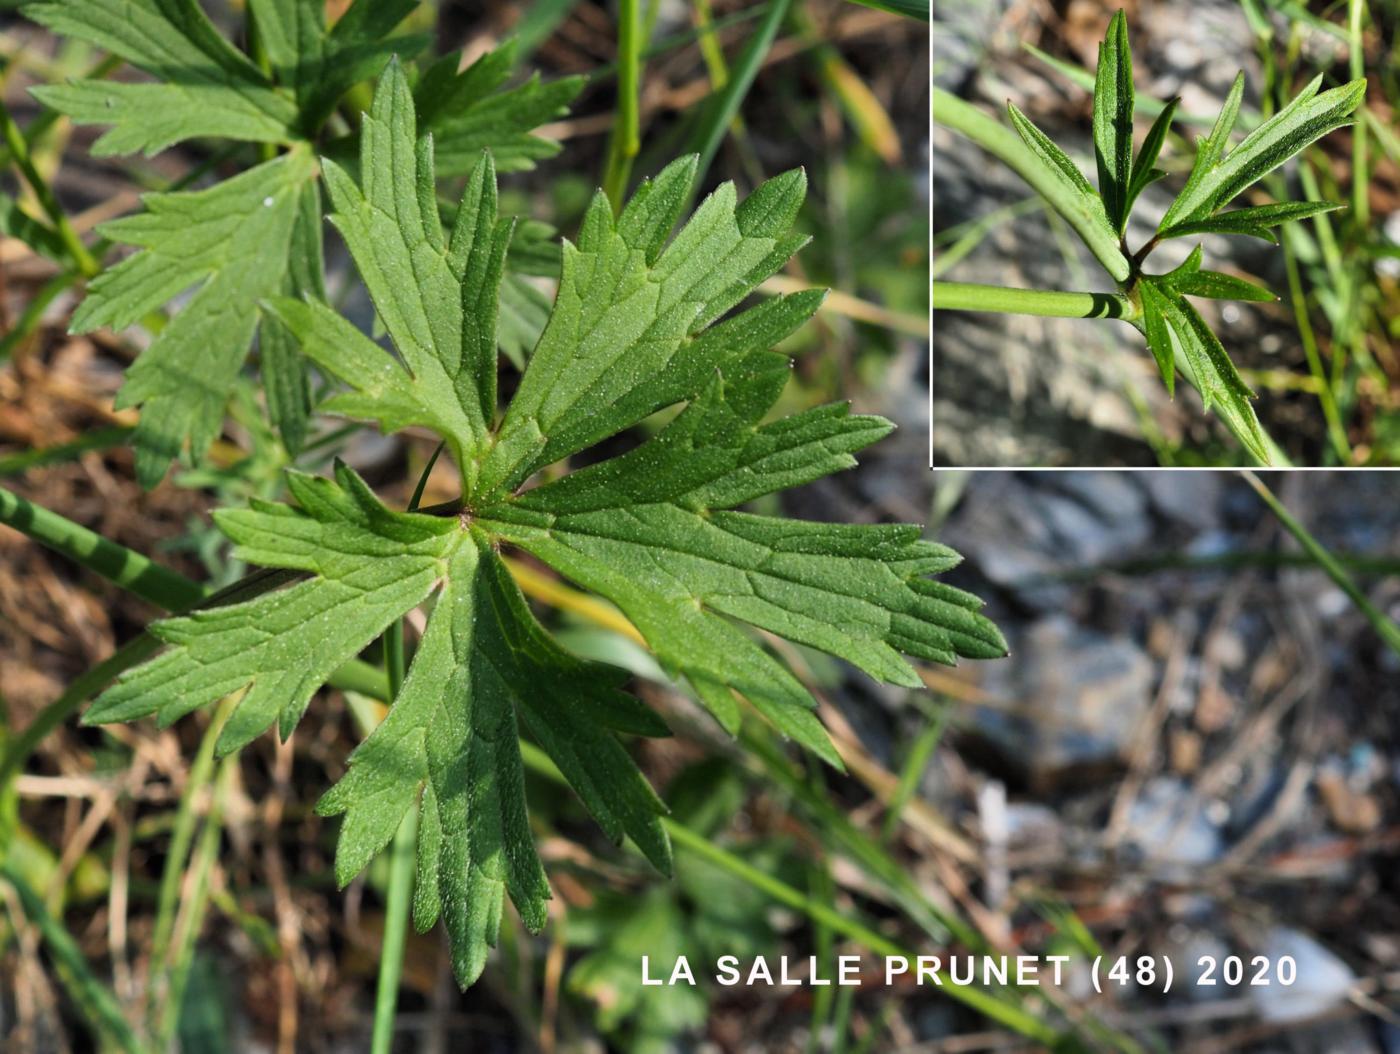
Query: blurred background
column 1020, row 391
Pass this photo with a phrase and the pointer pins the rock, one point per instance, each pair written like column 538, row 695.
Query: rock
column 1020, row 531
column 1184, row 748
column 1191, row 498
column 1186, row 953
column 1169, row 830
column 1351, row 811
column 1322, row 983
column 1081, row 695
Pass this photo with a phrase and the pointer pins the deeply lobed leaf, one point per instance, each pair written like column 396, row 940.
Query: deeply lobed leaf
column 233, row 241
column 638, row 324
column 648, row 530
column 206, row 87
column 472, row 110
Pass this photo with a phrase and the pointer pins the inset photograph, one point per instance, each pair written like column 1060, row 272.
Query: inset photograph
column 1166, row 234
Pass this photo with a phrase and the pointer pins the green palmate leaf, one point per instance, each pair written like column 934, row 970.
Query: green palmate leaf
column 1113, row 121
column 468, row 112
column 484, row 669
column 1215, row 183
column 637, row 326
column 628, row 334
column 233, row 242
column 1255, row 221
column 1145, row 170
column 483, row 664
column 645, row 530
column 206, row 87
column 209, row 88
column 371, row 566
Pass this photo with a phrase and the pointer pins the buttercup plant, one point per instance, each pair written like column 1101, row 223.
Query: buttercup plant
column 1156, row 304
column 644, row 319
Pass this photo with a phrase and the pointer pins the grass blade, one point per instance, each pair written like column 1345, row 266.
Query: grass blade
column 93, row 999
column 1384, row 626
column 719, row 116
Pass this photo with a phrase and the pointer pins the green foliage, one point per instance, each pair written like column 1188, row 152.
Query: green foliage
column 1113, row 121
column 281, row 94
column 707, row 912
column 638, row 325
column 1175, row 331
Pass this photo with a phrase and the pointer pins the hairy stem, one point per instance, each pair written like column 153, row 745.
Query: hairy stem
column 961, row 296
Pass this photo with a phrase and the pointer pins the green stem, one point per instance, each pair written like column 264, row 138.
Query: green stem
column 1360, row 183
column 386, row 995
column 626, row 135
column 1336, row 430
column 91, row 997
column 19, row 153
column 401, row 851
column 1387, row 629
column 961, row 296
column 181, row 839
column 998, row 1010
column 1005, row 145
column 125, row 567
column 719, row 116
column 191, row 920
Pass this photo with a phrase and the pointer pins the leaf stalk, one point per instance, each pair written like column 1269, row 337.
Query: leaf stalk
column 965, row 296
